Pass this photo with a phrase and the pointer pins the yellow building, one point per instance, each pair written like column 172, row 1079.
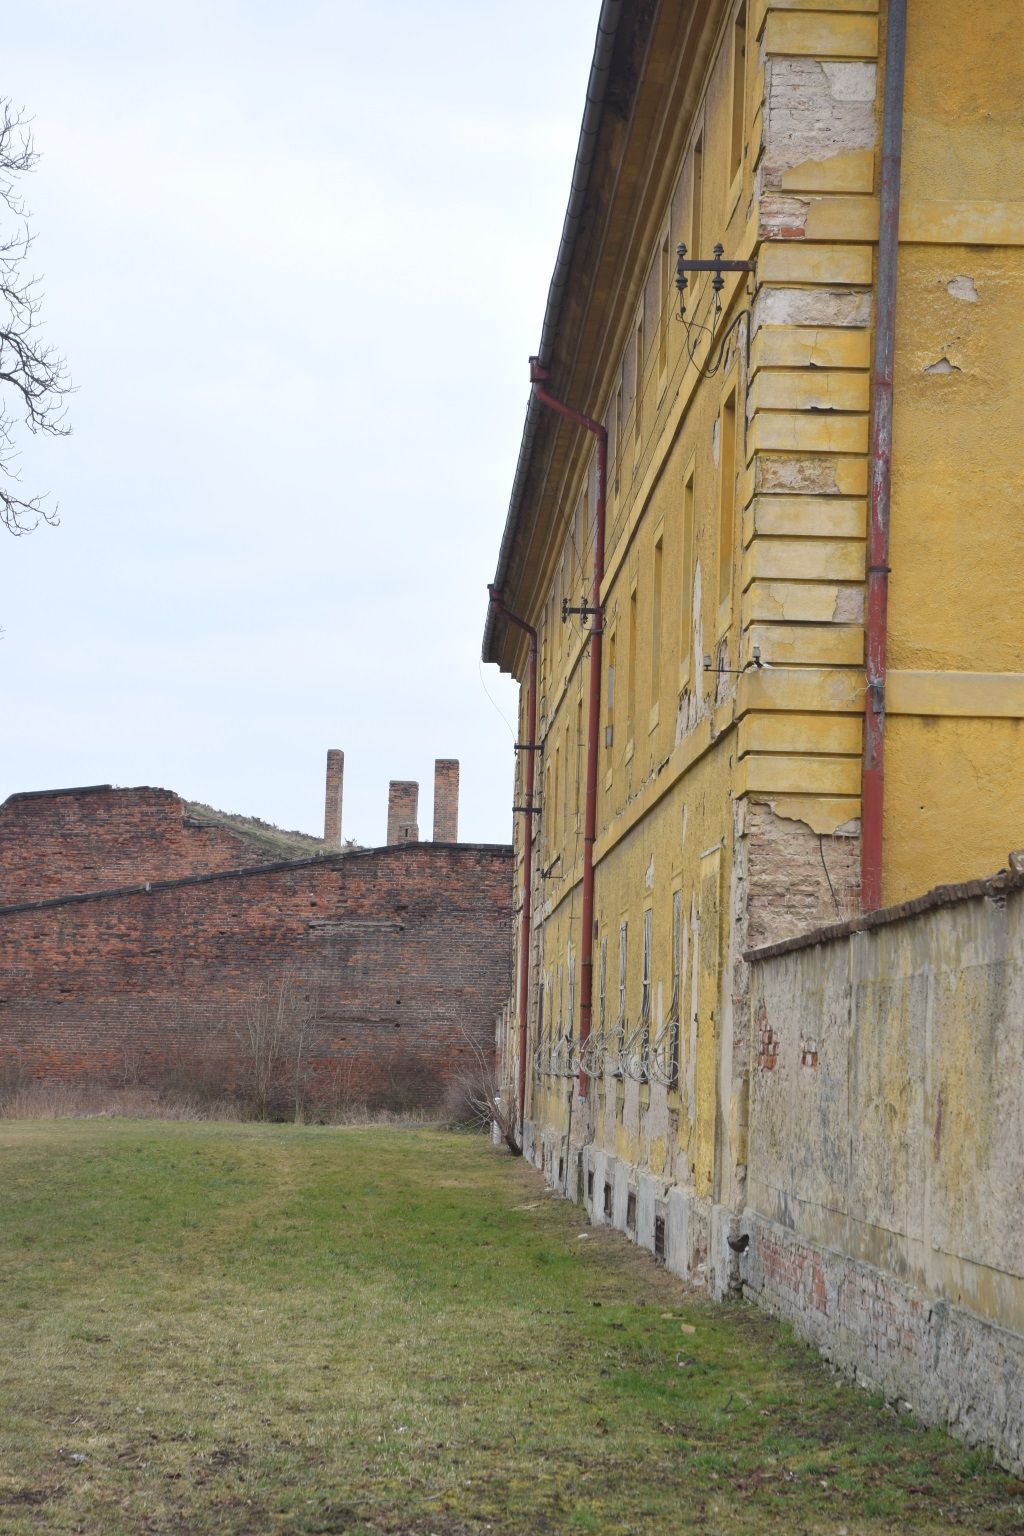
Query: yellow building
column 746, row 448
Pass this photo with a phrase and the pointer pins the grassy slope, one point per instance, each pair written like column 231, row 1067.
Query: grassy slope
column 269, row 843
column 263, row 1328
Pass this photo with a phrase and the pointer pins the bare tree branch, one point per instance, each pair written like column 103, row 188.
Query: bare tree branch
column 34, row 382
column 279, row 1026
column 477, row 1090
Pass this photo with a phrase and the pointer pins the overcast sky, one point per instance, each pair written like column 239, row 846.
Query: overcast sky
column 297, row 256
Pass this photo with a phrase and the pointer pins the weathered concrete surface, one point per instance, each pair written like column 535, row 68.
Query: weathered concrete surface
column 886, row 1154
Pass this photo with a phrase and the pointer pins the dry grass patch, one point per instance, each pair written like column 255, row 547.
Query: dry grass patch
column 52, row 1098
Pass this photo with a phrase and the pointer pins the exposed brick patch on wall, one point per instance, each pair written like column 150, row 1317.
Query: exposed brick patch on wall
column 405, row 950
column 59, row 842
column 767, row 1043
column 808, row 1052
column 997, row 887
column 797, row 879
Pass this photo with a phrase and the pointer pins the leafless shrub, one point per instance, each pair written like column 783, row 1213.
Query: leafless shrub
column 275, row 1043
column 474, row 1096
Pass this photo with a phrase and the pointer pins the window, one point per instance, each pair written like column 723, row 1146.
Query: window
column 543, row 650
column 645, row 975
column 727, row 516
column 548, row 809
column 565, row 807
column 696, row 200
column 631, row 667
column 656, row 578
column 618, row 433
column 638, row 386
column 556, row 617
column 579, row 762
column 664, row 304
column 570, row 1019
column 554, row 801
column 739, row 89
column 623, row 946
column 645, row 995
column 609, row 729
column 686, row 573
column 602, row 984
column 675, row 1007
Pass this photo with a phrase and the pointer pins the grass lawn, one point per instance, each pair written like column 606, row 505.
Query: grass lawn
column 248, row 1329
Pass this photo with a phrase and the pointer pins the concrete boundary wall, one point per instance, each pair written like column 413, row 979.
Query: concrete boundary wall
column 885, row 1195
column 885, row 1213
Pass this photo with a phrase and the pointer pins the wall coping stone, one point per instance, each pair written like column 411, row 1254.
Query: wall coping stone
column 395, row 850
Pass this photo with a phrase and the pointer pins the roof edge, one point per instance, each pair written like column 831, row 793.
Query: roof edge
column 597, row 86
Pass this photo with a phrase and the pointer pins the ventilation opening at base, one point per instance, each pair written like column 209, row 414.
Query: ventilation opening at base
column 590, row 1185
column 561, row 1170
column 631, row 1211
column 607, row 1198
column 659, row 1237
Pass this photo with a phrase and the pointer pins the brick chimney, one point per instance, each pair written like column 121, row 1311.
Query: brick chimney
column 332, row 803
column 446, row 800
column 403, row 798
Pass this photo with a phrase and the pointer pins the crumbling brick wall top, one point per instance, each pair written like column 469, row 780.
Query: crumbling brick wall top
column 95, row 837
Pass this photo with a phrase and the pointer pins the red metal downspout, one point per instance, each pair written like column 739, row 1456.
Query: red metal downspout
column 530, row 748
column 873, row 782
column 538, row 378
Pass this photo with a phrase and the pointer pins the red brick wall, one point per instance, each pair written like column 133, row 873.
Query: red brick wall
column 59, row 842
column 406, row 951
